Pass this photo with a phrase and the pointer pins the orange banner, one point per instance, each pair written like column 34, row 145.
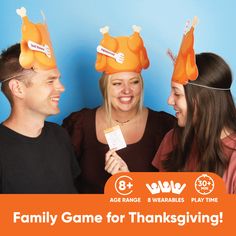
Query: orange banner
column 133, row 203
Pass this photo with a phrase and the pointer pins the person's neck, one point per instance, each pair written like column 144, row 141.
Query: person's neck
column 24, row 124
column 124, row 117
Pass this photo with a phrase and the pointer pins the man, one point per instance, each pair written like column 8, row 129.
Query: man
column 35, row 156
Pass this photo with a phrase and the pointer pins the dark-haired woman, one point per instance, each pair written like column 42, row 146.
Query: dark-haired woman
column 205, row 139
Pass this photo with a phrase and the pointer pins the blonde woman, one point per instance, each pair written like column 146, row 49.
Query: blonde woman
column 121, row 85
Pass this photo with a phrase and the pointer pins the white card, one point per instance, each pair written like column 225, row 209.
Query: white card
column 115, row 138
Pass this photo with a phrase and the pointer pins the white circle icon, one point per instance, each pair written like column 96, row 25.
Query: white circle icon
column 204, row 184
column 124, row 185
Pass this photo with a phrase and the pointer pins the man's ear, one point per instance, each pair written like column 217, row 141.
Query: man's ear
column 17, row 88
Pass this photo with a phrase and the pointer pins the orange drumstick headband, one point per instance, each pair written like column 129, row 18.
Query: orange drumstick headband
column 36, row 47
column 120, row 54
column 185, row 67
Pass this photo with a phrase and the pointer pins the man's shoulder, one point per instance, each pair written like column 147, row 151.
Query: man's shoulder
column 6, row 133
column 55, row 132
column 1, row 129
column 53, row 126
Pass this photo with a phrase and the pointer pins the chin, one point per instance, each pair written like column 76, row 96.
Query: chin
column 55, row 112
column 125, row 109
column 181, row 124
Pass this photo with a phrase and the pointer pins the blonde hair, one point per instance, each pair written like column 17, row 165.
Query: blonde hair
column 104, row 84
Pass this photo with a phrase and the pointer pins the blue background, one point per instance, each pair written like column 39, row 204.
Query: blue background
column 74, row 27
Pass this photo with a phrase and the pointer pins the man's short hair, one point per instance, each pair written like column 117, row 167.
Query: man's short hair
column 10, row 67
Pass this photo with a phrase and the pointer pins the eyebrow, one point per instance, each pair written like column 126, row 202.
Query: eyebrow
column 176, row 88
column 136, row 77
column 54, row 77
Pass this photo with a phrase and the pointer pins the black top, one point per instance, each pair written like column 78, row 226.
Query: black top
column 91, row 152
column 46, row 164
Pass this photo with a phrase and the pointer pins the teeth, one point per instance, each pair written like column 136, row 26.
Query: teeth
column 125, row 99
column 55, row 99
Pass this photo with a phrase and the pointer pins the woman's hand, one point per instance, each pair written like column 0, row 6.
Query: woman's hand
column 114, row 163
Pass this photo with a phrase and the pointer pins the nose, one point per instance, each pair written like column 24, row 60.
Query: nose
column 171, row 100
column 60, row 87
column 126, row 88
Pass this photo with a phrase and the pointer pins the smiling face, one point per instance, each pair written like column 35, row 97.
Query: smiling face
column 178, row 101
column 125, row 91
column 43, row 94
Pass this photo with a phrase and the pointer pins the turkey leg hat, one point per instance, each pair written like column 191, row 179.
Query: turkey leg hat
column 36, row 47
column 121, row 54
column 185, row 67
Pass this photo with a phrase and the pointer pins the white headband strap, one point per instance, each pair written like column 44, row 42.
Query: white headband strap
column 15, row 76
column 208, row 87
